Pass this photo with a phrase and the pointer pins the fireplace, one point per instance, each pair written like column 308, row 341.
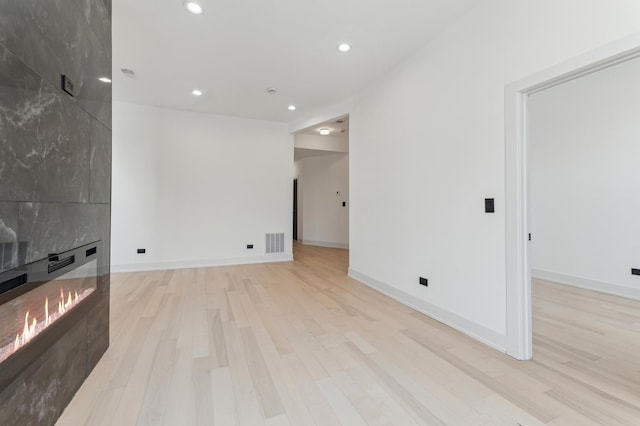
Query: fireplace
column 48, row 342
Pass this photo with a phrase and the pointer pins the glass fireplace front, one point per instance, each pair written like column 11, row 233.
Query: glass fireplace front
column 36, row 296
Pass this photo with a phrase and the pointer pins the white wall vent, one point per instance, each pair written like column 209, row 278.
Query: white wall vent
column 275, row 243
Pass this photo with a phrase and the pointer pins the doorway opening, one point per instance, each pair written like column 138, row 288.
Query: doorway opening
column 321, row 184
column 295, row 209
column 518, row 262
column 582, row 159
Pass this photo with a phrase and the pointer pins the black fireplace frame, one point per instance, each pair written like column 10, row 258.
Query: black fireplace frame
column 23, row 279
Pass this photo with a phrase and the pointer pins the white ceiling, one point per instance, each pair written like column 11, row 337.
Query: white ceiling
column 239, row 48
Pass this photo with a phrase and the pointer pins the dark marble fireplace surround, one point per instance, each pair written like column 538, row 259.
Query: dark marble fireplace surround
column 55, row 176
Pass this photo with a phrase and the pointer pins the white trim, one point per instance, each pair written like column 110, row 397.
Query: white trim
column 187, row 264
column 325, row 244
column 470, row 328
column 518, row 282
column 587, row 284
column 518, row 296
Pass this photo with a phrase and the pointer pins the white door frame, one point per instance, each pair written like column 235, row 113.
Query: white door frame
column 518, row 269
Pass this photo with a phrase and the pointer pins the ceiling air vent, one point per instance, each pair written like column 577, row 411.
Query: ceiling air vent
column 128, row 73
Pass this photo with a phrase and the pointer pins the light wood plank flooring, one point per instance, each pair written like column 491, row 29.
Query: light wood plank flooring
column 301, row 344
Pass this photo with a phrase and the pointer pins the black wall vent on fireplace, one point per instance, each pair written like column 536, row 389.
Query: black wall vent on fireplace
column 61, row 264
column 15, row 282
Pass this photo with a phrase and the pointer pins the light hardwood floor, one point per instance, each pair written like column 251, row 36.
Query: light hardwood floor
column 301, row 344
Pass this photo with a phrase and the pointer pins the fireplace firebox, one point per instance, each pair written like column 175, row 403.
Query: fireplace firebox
column 46, row 333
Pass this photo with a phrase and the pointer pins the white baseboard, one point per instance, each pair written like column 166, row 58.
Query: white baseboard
column 324, row 244
column 186, row 264
column 483, row 334
column 587, row 284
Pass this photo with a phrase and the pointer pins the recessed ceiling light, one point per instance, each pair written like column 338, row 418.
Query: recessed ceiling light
column 292, row 107
column 197, row 92
column 105, row 79
column 325, row 132
column 193, row 7
column 344, row 47
column 272, row 90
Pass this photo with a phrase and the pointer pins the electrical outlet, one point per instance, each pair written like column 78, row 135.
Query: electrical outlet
column 249, row 246
column 142, row 251
column 635, row 271
column 423, row 281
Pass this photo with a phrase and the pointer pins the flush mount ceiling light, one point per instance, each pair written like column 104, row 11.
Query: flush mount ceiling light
column 325, row 132
column 197, row 92
column 105, row 79
column 193, row 7
column 291, row 107
column 344, row 48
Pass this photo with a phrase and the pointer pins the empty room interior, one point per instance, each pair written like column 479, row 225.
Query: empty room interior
column 336, row 213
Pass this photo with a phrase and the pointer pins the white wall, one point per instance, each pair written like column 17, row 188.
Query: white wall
column 585, row 180
column 323, row 184
column 427, row 146
column 335, row 143
column 194, row 189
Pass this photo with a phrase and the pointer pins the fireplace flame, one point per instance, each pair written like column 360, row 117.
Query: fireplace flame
column 64, row 306
column 28, row 332
column 31, row 328
column 25, row 333
column 60, row 303
column 36, row 321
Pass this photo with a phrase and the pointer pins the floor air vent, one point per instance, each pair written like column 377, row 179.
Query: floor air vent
column 275, row 243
